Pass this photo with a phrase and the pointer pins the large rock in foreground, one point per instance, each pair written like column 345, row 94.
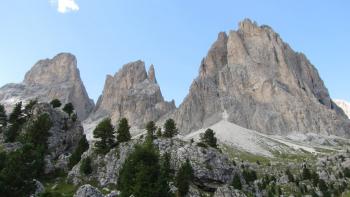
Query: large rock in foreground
column 50, row 79
column 263, row 85
column 211, row 168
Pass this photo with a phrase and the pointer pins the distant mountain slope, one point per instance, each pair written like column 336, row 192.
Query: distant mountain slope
column 344, row 105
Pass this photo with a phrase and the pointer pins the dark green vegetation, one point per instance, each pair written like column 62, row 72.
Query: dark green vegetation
column 76, row 156
column 151, row 130
column 68, row 108
column 105, row 133
column 3, row 118
column 183, row 178
column 209, row 138
column 55, row 103
column 19, row 168
column 236, row 182
column 145, row 174
column 123, row 131
column 85, row 166
column 170, row 129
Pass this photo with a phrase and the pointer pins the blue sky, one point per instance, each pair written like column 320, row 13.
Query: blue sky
column 172, row 35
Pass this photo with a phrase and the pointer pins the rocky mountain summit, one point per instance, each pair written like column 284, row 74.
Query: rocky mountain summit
column 262, row 84
column 133, row 94
column 344, row 105
column 50, row 79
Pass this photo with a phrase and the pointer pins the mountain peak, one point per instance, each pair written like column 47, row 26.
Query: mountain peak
column 152, row 74
column 61, row 68
column 56, row 78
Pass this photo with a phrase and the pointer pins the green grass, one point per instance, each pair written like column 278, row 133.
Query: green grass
column 232, row 153
column 60, row 186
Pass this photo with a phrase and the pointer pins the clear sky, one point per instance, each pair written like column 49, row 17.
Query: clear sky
column 173, row 35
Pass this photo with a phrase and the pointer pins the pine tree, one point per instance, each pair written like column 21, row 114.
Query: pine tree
column 209, row 138
column 184, row 178
column 289, row 175
column 123, row 131
column 151, row 130
column 165, row 176
column 170, row 129
column 68, row 108
column 28, row 109
column 104, row 131
column 19, row 170
column 159, row 132
column 3, row 118
column 85, row 166
column 140, row 174
column 16, row 120
column 37, row 132
column 55, row 103
column 306, row 173
column 236, row 182
column 83, row 146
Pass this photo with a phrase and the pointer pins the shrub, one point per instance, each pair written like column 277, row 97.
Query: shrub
column 85, row 166
column 236, row 182
column 55, row 103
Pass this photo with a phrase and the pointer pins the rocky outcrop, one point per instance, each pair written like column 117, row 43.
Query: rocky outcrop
column 50, row 79
column 65, row 135
column 344, row 105
column 88, row 191
column 211, row 168
column 133, row 94
column 263, row 85
column 228, row 191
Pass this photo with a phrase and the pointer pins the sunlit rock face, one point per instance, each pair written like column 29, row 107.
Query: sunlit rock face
column 262, row 84
column 49, row 79
column 133, row 94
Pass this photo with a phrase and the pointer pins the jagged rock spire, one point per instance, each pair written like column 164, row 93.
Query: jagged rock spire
column 152, row 74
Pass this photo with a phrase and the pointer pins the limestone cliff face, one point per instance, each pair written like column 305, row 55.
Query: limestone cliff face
column 133, row 94
column 49, row 79
column 262, row 84
column 344, row 105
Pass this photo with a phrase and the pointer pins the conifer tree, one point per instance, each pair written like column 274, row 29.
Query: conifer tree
column 236, row 182
column 159, row 132
column 104, row 131
column 140, row 174
column 170, row 129
column 55, row 103
column 85, row 166
column 123, row 131
column 184, row 178
column 16, row 120
column 151, row 130
column 37, row 132
column 68, row 108
column 3, row 118
column 209, row 138
column 83, row 146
